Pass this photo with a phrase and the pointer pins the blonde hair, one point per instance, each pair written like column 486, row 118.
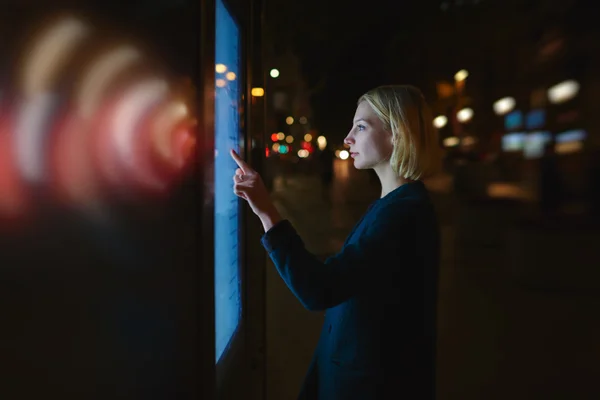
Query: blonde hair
column 404, row 111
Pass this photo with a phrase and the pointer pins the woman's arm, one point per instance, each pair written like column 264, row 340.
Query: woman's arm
column 370, row 263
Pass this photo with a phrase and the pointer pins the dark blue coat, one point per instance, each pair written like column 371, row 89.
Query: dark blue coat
column 380, row 291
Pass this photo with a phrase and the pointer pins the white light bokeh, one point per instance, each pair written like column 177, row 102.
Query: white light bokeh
column 303, row 153
column 322, row 142
column 461, row 75
column 465, row 115
column 440, row 121
column 563, row 92
column 504, row 105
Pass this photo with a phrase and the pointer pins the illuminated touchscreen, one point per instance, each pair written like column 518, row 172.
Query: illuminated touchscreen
column 227, row 133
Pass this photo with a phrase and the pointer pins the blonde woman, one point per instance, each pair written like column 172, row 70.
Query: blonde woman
column 380, row 291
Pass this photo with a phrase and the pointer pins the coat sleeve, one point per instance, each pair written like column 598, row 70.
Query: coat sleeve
column 371, row 262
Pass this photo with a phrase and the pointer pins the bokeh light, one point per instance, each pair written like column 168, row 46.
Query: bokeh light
column 117, row 134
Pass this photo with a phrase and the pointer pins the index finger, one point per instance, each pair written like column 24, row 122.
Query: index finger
column 241, row 163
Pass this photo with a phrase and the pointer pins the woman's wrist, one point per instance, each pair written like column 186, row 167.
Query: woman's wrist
column 269, row 218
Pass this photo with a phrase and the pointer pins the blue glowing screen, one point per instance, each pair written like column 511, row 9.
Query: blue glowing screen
column 227, row 134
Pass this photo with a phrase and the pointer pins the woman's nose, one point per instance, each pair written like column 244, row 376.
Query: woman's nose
column 348, row 140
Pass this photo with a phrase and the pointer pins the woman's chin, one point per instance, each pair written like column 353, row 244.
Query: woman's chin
column 359, row 165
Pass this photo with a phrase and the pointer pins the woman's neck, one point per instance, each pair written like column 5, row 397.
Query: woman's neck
column 388, row 179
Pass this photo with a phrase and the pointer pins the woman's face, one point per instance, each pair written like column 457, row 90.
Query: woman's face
column 370, row 144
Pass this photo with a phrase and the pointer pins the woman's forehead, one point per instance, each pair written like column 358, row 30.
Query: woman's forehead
column 364, row 112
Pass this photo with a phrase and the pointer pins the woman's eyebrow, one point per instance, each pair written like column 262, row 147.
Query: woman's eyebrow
column 361, row 119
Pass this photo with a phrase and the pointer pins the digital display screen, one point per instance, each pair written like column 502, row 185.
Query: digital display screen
column 513, row 120
column 227, row 133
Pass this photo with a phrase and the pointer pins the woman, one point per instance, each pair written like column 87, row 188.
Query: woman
column 380, row 291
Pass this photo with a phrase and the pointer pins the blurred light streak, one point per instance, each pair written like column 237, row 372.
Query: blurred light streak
column 50, row 54
column 184, row 146
column 86, row 143
column 44, row 61
column 13, row 202
column 126, row 120
column 166, row 120
column 101, row 74
column 34, row 119
column 73, row 175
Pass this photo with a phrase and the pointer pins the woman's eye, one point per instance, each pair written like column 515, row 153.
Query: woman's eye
column 361, row 127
